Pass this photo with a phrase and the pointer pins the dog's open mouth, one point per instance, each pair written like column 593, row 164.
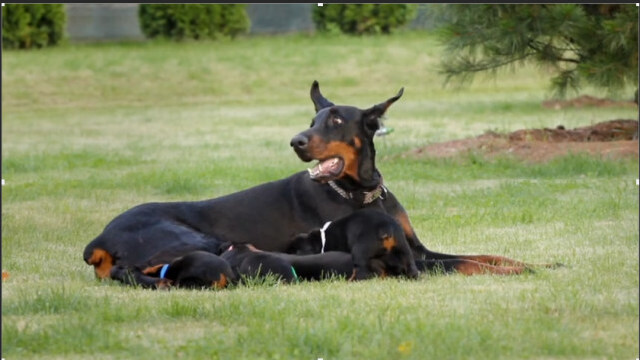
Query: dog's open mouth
column 327, row 169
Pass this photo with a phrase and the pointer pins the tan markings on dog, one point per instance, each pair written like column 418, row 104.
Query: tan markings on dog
column 152, row 269
column 253, row 248
column 473, row 268
column 164, row 284
column 494, row 260
column 403, row 219
column 357, row 142
column 353, row 275
column 498, row 260
column 102, row 263
column 318, row 149
column 389, row 242
column 382, row 274
column 221, row 283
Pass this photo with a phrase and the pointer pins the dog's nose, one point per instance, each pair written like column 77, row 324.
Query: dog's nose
column 300, row 142
column 413, row 272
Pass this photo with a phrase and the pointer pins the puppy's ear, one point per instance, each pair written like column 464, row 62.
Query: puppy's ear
column 306, row 243
column 299, row 242
column 371, row 116
column 314, row 241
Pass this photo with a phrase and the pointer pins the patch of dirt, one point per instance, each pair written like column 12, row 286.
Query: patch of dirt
column 610, row 139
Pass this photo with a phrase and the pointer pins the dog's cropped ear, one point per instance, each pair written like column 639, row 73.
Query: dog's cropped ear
column 319, row 101
column 372, row 115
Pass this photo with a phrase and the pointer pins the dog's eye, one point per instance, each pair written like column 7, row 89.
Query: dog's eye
column 336, row 121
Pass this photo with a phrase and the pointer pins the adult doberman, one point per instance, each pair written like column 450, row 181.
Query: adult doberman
column 271, row 214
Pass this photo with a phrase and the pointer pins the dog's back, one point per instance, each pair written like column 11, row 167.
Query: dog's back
column 321, row 266
column 247, row 261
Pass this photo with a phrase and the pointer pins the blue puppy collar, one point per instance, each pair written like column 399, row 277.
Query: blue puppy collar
column 163, row 271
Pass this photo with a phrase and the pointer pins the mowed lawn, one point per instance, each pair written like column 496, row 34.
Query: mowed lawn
column 89, row 131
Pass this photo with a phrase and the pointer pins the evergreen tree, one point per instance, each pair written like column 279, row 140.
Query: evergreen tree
column 593, row 43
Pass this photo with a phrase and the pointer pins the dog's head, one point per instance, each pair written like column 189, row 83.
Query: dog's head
column 306, row 243
column 341, row 139
column 201, row 269
column 399, row 261
column 393, row 255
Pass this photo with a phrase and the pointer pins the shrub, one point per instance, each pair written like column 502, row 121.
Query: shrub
column 362, row 18
column 193, row 21
column 32, row 25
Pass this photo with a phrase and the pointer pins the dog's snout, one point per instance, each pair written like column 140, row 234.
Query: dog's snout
column 413, row 273
column 300, row 142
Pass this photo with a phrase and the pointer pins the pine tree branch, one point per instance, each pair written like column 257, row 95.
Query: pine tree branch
column 579, row 42
column 464, row 65
column 555, row 58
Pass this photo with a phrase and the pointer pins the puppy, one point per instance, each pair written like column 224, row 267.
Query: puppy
column 247, row 261
column 196, row 269
column 321, row 266
column 374, row 239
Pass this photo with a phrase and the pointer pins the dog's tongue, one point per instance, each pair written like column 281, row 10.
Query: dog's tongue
column 327, row 169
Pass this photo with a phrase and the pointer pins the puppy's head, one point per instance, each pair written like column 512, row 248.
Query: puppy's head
column 397, row 257
column 306, row 243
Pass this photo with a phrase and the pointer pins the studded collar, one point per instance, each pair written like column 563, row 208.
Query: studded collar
column 367, row 196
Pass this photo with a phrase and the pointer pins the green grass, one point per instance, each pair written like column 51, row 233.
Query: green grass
column 91, row 130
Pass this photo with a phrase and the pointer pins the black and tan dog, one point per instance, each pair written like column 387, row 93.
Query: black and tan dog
column 197, row 269
column 374, row 239
column 271, row 214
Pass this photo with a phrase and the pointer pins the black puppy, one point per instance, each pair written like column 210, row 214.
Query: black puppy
column 246, row 260
column 321, row 266
column 197, row 269
column 374, row 239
